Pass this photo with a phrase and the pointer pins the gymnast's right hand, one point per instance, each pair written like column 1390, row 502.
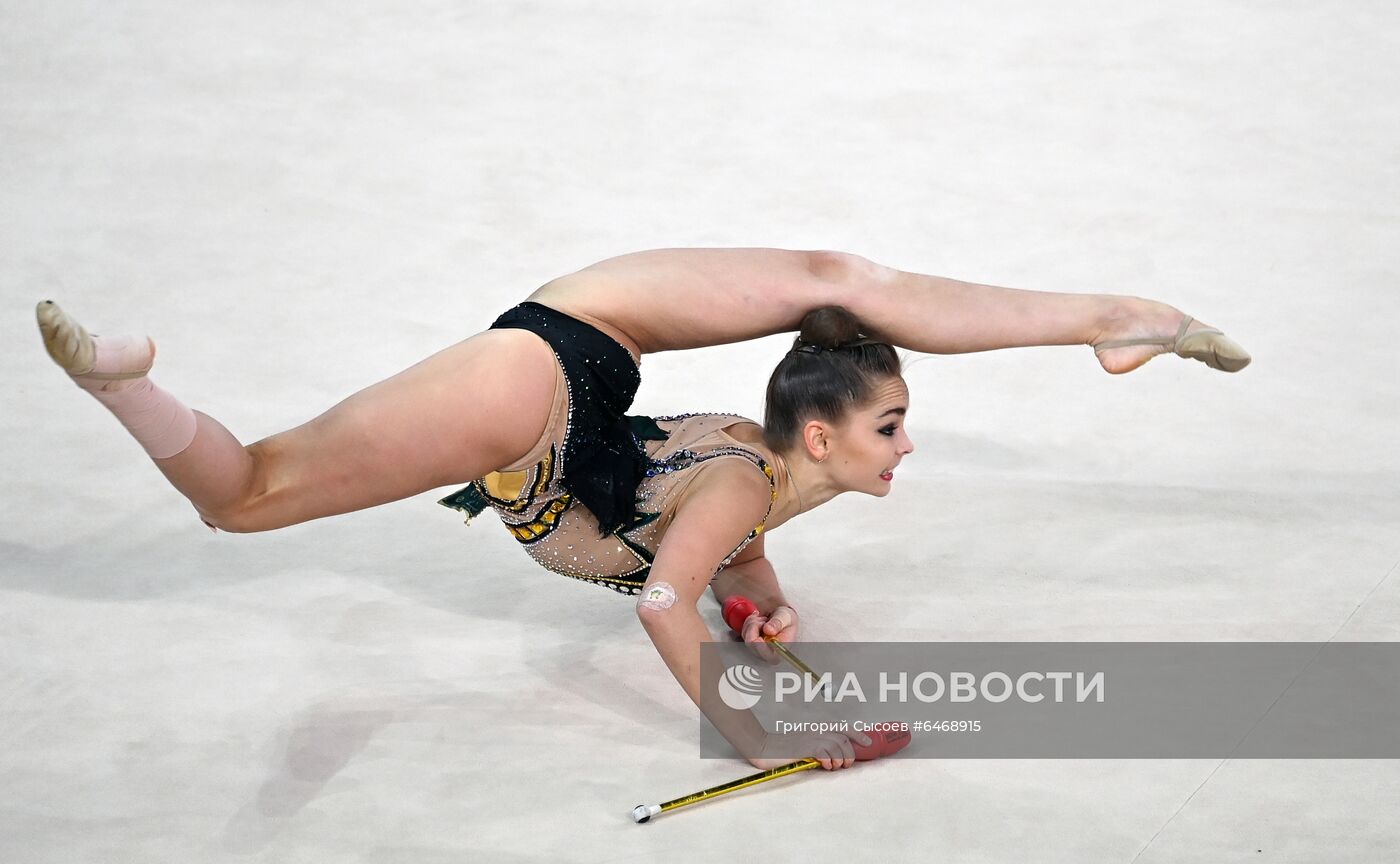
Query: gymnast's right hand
column 832, row 749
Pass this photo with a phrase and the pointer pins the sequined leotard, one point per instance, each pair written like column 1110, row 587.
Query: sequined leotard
column 562, row 535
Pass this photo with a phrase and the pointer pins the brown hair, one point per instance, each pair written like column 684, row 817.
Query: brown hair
column 831, row 369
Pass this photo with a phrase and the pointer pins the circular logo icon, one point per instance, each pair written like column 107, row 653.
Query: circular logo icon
column 740, row 687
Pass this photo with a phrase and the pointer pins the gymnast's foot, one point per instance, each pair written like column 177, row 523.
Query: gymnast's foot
column 1142, row 329
column 95, row 363
column 113, row 369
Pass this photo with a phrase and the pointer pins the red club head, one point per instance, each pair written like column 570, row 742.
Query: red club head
column 736, row 610
column 883, row 743
column 897, row 740
column 874, row 751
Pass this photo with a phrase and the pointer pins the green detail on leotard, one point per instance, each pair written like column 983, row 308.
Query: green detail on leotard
column 645, row 428
column 468, row 500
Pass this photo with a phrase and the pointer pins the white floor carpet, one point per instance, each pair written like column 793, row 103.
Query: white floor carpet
column 298, row 200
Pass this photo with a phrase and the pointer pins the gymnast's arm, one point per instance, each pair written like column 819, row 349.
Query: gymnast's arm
column 753, row 577
column 750, row 575
column 722, row 505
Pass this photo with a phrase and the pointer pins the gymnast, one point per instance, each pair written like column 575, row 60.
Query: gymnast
column 530, row 415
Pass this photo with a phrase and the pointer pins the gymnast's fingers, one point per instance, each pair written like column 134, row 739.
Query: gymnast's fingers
column 783, row 619
column 753, row 635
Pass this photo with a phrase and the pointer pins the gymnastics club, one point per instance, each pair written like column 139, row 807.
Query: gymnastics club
column 644, row 812
column 736, row 610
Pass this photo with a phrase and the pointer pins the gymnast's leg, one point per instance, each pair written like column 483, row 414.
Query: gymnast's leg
column 669, row 299
column 947, row 316
column 456, row 416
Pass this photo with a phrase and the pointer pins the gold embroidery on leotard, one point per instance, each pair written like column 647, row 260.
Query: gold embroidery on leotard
column 503, row 490
column 507, row 485
column 535, row 507
column 540, row 526
column 545, row 475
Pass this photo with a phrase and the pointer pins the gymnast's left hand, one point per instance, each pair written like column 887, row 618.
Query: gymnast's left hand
column 780, row 626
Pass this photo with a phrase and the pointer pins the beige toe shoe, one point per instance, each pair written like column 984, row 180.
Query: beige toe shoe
column 1209, row 346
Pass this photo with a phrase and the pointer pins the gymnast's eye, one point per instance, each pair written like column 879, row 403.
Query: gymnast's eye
column 889, row 430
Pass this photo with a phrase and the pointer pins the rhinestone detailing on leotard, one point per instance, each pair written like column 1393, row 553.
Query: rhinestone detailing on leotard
column 562, row 535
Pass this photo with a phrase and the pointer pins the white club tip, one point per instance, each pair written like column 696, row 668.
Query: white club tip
column 643, row 812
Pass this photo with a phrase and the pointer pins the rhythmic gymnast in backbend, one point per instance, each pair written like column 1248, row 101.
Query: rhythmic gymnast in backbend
column 530, row 414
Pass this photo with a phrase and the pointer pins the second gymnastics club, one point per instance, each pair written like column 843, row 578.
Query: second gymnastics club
column 736, row 610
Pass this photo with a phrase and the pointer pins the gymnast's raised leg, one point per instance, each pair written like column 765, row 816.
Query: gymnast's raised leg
column 670, row 299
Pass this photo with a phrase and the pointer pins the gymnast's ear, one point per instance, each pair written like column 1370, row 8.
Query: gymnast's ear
column 816, row 439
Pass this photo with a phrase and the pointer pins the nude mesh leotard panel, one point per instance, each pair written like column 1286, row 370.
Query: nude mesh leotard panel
column 562, row 535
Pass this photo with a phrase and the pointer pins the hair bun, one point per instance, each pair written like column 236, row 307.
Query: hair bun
column 829, row 327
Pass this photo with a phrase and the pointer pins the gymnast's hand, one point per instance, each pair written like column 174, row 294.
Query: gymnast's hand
column 834, row 750
column 781, row 626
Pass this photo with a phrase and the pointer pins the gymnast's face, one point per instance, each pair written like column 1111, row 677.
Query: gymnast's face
column 870, row 441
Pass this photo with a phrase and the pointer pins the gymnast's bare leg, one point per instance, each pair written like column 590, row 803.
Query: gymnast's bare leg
column 477, row 405
column 670, row 299
column 451, row 418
